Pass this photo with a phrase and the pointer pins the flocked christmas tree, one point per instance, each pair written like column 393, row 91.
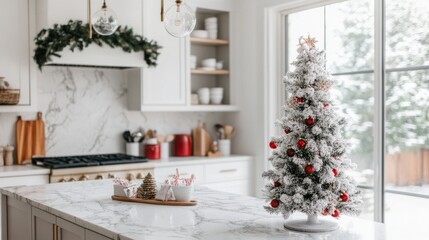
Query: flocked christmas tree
column 310, row 160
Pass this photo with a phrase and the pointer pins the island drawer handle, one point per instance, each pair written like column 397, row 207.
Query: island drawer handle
column 228, row 170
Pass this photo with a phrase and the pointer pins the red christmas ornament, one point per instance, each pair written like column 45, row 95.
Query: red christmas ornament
column 287, row 131
column 277, row 184
column 336, row 213
column 290, row 152
column 274, row 203
column 273, row 145
column 309, row 169
column 301, row 143
column 300, row 99
column 309, row 121
column 344, row 197
column 325, row 212
column 325, row 105
column 335, row 171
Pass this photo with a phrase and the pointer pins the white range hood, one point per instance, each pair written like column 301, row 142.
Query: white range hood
column 50, row 12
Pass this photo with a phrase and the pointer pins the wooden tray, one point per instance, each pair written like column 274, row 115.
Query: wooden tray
column 153, row 201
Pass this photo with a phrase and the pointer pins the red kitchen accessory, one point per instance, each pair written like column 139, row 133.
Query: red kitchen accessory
column 152, row 151
column 183, row 145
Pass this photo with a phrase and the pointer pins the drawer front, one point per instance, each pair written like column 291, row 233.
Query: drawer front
column 163, row 173
column 241, row 187
column 25, row 180
column 221, row 172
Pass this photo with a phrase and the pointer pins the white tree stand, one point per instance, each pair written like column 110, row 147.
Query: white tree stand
column 312, row 224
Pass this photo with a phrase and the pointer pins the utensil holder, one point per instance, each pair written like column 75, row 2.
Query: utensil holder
column 225, row 146
column 133, row 149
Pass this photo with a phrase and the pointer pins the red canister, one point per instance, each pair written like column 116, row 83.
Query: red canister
column 183, row 145
column 152, row 151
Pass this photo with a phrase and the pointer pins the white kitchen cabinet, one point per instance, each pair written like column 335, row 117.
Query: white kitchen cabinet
column 229, row 174
column 16, row 48
column 165, row 84
column 50, row 12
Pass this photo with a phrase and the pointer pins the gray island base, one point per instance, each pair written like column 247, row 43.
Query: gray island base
column 85, row 211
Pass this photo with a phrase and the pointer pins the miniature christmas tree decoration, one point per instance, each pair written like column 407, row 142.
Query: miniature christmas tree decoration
column 306, row 159
column 147, row 189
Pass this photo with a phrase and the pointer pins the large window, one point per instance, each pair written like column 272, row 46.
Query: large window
column 346, row 30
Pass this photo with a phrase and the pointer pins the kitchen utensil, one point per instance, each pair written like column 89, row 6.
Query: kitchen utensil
column 221, row 133
column 232, row 134
column 149, row 134
column 152, row 151
column 136, row 136
column 169, row 138
column 160, row 138
column 30, row 138
column 127, row 136
column 183, row 145
column 228, row 130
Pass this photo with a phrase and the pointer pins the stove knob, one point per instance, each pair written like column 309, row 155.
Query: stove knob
column 111, row 175
column 139, row 176
column 130, row 177
column 62, row 180
column 72, row 179
column 99, row 177
column 84, row 178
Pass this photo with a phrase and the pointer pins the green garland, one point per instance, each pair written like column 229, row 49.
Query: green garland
column 51, row 41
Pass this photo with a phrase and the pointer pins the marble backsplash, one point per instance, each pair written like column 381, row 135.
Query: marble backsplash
column 85, row 112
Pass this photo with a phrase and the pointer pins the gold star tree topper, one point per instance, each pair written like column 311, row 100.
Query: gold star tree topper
column 311, row 42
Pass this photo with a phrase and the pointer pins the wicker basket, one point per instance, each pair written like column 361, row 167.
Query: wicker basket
column 9, row 96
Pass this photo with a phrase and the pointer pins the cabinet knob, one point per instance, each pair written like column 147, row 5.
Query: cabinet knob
column 72, row 179
column 140, row 176
column 62, row 180
column 110, row 175
column 99, row 177
column 84, row 178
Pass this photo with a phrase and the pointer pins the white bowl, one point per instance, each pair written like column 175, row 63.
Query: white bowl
column 209, row 63
column 212, row 35
column 211, row 19
column 200, row 34
column 218, row 89
column 203, row 99
column 203, row 91
column 216, row 99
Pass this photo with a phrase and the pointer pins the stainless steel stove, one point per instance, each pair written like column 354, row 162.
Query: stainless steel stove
column 94, row 167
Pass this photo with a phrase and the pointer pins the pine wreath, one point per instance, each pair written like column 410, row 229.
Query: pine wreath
column 49, row 42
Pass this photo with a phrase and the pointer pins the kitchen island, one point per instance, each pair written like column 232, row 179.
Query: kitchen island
column 85, row 210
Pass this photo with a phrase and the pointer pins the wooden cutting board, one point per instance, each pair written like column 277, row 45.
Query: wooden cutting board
column 202, row 141
column 30, row 138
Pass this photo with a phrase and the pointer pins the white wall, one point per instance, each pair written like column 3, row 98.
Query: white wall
column 85, row 111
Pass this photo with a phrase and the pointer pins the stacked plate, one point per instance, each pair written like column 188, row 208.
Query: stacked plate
column 211, row 27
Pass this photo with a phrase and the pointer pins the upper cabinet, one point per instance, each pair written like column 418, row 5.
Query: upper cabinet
column 174, row 83
column 165, row 84
column 50, row 12
column 16, row 48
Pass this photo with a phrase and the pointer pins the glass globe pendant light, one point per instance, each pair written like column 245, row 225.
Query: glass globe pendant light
column 105, row 21
column 179, row 19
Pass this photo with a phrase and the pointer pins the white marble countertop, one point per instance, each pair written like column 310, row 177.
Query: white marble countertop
column 180, row 161
column 218, row 215
column 22, row 170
